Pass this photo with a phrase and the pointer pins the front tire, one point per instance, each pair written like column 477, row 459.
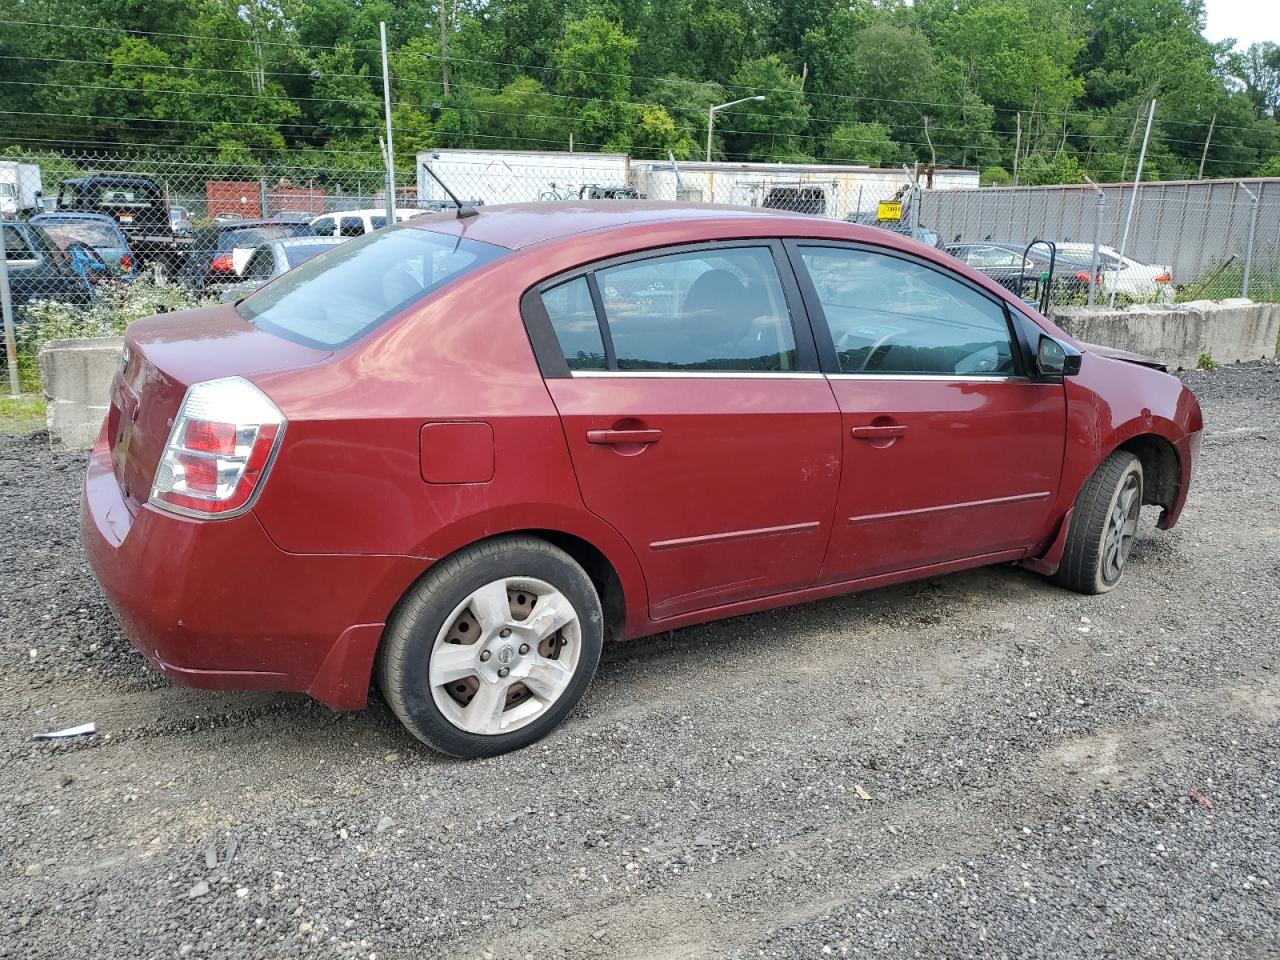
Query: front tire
column 493, row 648
column 1103, row 526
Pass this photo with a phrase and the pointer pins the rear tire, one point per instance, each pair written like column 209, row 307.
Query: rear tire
column 493, row 648
column 1103, row 526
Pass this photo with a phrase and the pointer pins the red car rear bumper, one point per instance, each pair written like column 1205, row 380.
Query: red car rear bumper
column 216, row 604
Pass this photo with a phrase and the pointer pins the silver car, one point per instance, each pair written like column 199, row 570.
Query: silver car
column 272, row 259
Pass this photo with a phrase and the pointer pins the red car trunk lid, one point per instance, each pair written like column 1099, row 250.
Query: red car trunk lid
column 165, row 355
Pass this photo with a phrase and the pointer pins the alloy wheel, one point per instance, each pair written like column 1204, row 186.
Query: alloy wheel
column 1122, row 526
column 504, row 655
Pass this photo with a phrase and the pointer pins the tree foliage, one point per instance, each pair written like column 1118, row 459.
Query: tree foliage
column 942, row 82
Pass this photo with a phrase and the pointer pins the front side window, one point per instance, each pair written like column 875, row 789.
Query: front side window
column 573, row 317
column 337, row 297
column 711, row 310
column 352, row 227
column 888, row 315
column 324, row 227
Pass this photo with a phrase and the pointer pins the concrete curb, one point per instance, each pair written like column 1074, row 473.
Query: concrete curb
column 77, row 380
column 1180, row 334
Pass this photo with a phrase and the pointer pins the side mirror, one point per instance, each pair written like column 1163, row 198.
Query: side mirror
column 1056, row 359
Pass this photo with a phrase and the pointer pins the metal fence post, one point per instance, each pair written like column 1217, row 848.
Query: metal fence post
column 1248, row 250
column 6, row 308
column 1097, row 238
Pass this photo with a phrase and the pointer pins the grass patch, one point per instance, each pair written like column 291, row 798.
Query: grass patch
column 21, row 415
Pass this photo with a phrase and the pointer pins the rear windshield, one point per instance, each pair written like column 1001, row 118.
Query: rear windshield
column 339, row 296
column 250, row 237
column 122, row 194
column 95, row 233
column 296, row 253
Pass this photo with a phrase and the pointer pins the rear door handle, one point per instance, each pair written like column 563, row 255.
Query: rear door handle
column 888, row 432
column 611, row 437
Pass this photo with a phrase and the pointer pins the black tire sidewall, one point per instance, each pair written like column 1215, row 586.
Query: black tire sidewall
column 1134, row 467
column 423, row 718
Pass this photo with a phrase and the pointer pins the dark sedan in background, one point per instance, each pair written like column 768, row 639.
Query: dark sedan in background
column 221, row 251
column 274, row 258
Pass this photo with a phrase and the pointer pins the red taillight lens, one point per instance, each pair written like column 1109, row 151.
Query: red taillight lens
column 219, row 450
column 126, row 263
column 1082, row 276
column 1163, row 278
column 223, row 263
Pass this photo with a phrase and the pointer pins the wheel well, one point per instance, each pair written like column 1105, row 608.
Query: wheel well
column 601, row 572
column 1161, row 472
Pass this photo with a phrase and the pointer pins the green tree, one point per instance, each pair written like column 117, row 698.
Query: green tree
column 867, row 143
column 775, row 129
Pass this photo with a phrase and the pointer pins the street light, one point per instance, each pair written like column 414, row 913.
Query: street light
column 711, row 117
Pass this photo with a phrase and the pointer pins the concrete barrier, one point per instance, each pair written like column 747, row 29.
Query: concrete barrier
column 77, row 380
column 1180, row 334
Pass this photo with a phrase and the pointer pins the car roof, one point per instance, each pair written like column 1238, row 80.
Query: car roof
column 107, row 178
column 368, row 212
column 72, row 215
column 520, row 225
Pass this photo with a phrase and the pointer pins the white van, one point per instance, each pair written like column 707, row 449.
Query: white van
column 356, row 223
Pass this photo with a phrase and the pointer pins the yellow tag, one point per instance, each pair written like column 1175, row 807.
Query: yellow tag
column 889, row 210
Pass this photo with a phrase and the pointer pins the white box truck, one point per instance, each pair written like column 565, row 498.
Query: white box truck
column 21, row 189
column 518, row 176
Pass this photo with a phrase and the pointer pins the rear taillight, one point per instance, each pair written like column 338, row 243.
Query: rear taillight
column 1083, row 276
column 126, row 263
column 223, row 263
column 1163, row 278
column 220, row 448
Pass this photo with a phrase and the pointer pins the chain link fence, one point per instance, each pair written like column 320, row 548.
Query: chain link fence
column 93, row 241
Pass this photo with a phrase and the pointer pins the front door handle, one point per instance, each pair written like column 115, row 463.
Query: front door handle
column 887, row 432
column 620, row 436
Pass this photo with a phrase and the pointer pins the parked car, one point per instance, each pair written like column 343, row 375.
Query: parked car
column 901, row 227
column 1124, row 275
column 95, row 231
column 274, row 258
column 1009, row 264
column 356, row 223
column 139, row 206
column 443, row 455
column 221, row 250
column 38, row 270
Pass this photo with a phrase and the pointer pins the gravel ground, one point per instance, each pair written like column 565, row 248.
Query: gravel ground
column 978, row 765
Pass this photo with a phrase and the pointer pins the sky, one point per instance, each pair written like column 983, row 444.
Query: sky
column 1248, row 21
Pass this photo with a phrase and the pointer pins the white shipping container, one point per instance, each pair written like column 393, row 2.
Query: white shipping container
column 516, row 176
column 827, row 190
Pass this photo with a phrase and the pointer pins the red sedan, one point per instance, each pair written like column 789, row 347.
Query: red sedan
column 462, row 453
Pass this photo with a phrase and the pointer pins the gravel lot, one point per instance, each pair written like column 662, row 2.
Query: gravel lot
column 978, row 765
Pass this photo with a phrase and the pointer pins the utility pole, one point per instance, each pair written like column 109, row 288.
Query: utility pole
column 444, row 43
column 1133, row 197
column 1205, row 156
column 390, row 152
column 6, row 308
column 1017, row 148
column 711, row 117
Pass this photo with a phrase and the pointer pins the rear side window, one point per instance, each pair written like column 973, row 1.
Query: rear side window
column 337, row 297
column 888, row 315
column 713, row 310
column 574, row 320
column 352, row 227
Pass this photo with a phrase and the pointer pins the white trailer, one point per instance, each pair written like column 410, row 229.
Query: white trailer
column 20, row 188
column 517, row 176
column 827, row 190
